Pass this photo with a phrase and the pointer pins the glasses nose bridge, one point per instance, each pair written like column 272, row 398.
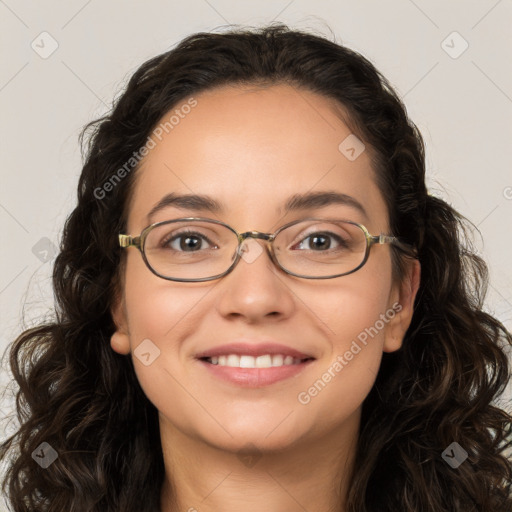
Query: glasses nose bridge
column 268, row 237
column 255, row 234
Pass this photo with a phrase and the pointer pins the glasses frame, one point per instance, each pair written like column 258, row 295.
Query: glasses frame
column 139, row 241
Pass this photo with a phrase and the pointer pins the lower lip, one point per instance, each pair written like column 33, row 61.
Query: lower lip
column 255, row 377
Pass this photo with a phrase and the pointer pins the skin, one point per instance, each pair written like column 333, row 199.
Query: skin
column 250, row 149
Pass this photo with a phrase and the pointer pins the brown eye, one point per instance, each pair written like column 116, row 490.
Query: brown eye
column 189, row 241
column 322, row 241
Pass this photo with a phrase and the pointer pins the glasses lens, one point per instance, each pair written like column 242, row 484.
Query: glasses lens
column 190, row 249
column 321, row 248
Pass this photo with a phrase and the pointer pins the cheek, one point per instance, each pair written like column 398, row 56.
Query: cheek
column 353, row 308
column 355, row 315
column 152, row 311
column 155, row 307
column 160, row 314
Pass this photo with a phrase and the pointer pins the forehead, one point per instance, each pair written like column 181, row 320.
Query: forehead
column 252, row 149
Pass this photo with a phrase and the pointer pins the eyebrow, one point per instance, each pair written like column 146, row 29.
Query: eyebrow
column 297, row 202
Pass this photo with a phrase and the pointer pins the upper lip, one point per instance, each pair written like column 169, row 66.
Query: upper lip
column 244, row 348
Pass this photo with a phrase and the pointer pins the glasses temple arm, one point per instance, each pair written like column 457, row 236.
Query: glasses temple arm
column 129, row 241
column 403, row 246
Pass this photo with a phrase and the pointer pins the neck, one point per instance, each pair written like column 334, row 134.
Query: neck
column 311, row 475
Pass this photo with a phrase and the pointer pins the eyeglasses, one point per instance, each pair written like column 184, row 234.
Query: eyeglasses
column 198, row 249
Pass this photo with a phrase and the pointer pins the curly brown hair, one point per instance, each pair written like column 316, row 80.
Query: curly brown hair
column 82, row 398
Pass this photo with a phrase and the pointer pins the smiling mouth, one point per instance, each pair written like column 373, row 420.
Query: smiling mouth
column 246, row 361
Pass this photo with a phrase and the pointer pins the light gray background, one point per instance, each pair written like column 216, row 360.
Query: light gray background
column 462, row 105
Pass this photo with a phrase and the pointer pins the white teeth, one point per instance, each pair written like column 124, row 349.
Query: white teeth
column 244, row 361
column 265, row 361
column 233, row 360
column 277, row 360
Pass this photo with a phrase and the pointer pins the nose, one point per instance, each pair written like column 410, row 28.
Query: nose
column 255, row 289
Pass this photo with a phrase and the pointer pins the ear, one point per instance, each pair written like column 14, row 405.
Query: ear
column 402, row 303
column 120, row 340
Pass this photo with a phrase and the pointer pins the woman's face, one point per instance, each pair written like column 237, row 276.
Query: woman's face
column 251, row 150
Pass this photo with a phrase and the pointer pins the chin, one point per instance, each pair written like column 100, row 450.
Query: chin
column 266, row 433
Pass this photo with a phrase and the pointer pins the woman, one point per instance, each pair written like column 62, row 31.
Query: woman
column 259, row 306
